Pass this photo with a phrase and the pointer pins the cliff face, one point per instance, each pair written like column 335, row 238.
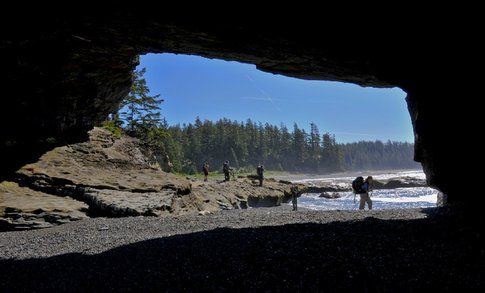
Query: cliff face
column 73, row 69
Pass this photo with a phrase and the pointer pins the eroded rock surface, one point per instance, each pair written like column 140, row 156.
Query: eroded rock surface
column 23, row 208
column 330, row 195
column 241, row 194
column 404, row 182
column 113, row 176
column 392, row 183
column 116, row 177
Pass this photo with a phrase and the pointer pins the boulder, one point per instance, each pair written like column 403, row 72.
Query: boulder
column 404, row 182
column 324, row 188
column 330, row 195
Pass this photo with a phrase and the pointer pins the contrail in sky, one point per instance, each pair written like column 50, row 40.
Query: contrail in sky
column 353, row 133
column 265, row 94
column 260, row 98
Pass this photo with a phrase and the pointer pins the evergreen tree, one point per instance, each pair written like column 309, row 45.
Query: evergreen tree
column 140, row 110
column 299, row 147
column 315, row 145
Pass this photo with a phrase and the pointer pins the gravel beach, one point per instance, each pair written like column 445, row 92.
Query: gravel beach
column 264, row 249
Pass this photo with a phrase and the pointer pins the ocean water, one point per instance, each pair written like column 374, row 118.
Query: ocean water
column 399, row 198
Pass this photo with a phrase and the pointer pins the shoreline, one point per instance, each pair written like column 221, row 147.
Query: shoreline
column 284, row 175
column 311, row 176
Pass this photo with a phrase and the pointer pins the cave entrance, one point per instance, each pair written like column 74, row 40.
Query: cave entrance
column 318, row 132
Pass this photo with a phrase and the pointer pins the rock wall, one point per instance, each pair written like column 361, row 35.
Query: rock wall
column 65, row 69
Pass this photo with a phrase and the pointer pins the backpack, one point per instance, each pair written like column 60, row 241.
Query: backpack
column 357, row 185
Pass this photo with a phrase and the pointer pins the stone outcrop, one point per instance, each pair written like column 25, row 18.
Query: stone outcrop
column 405, row 182
column 241, row 193
column 65, row 69
column 23, row 208
column 392, row 183
column 330, row 195
column 114, row 177
column 325, row 188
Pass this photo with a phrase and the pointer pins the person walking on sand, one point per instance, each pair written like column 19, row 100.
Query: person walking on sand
column 260, row 171
column 226, row 169
column 205, row 169
column 294, row 197
column 364, row 196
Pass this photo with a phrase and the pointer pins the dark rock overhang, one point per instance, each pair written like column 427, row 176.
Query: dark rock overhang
column 64, row 72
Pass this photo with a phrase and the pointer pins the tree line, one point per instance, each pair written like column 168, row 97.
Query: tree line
column 249, row 143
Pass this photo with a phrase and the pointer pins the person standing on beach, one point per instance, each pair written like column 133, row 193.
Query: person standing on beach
column 260, row 171
column 205, row 169
column 294, row 197
column 364, row 197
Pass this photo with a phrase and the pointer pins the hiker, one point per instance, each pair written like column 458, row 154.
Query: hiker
column 205, row 169
column 226, row 169
column 364, row 197
column 363, row 187
column 294, row 197
column 260, row 171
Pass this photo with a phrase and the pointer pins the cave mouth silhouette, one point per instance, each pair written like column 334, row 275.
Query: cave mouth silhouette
column 73, row 67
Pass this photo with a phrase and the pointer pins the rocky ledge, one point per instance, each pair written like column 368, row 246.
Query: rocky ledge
column 112, row 177
column 392, row 183
column 23, row 208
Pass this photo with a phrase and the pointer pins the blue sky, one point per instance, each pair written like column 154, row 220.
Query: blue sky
column 211, row 89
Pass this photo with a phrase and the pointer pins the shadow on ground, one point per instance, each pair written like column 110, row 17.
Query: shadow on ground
column 370, row 255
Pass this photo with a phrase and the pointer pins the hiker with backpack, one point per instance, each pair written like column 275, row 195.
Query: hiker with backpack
column 363, row 187
column 205, row 169
column 226, row 169
column 295, row 193
column 260, row 172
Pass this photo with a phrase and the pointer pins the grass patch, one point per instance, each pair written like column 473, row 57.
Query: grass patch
column 220, row 174
column 8, row 184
